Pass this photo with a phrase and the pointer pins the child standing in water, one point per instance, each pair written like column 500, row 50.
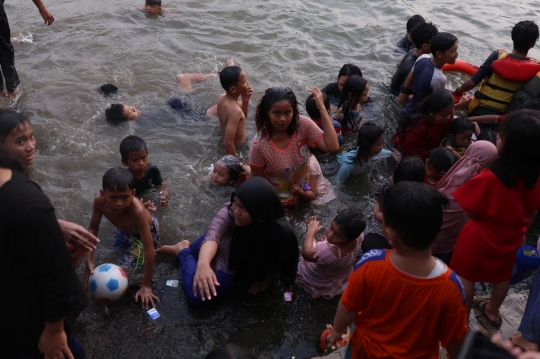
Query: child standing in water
column 354, row 95
column 501, row 201
column 326, row 263
column 280, row 150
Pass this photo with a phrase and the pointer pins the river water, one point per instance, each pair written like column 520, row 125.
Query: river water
column 295, row 43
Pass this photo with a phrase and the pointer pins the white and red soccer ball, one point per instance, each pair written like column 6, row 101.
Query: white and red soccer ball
column 108, row 283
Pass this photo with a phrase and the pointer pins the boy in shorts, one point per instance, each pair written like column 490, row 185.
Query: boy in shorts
column 136, row 228
column 404, row 301
column 232, row 116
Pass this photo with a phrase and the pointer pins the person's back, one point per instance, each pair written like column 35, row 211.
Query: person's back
column 405, row 302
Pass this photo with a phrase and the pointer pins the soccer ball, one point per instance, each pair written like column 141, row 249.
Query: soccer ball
column 108, row 283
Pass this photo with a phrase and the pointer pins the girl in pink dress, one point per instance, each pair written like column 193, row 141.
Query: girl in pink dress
column 326, row 264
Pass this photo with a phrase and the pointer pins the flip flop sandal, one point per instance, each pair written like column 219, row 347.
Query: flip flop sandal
column 477, row 303
column 344, row 341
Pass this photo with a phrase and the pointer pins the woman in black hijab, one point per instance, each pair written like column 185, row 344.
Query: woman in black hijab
column 267, row 248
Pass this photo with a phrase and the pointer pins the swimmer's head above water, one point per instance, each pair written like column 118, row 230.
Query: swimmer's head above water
column 119, row 113
column 152, row 6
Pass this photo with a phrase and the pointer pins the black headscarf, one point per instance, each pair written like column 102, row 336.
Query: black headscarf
column 268, row 245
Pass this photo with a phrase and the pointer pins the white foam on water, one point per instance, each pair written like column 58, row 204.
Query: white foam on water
column 23, row 37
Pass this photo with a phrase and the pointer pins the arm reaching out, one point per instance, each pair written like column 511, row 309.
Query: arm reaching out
column 313, row 226
column 145, row 293
column 330, row 141
column 45, row 14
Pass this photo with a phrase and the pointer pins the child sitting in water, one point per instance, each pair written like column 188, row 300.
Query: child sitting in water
column 369, row 147
column 135, row 227
column 228, row 171
column 326, row 263
column 438, row 162
column 315, row 115
column 354, row 95
column 135, row 158
column 317, row 188
column 392, row 294
column 406, row 44
column 16, row 133
column 460, row 137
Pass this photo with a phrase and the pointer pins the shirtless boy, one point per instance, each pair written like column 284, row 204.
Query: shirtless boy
column 232, row 115
column 117, row 202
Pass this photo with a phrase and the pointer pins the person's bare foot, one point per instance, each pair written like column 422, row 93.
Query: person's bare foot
column 174, row 249
column 12, row 95
column 230, row 62
column 520, row 341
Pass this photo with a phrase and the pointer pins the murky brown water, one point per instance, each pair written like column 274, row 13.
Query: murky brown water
column 294, row 43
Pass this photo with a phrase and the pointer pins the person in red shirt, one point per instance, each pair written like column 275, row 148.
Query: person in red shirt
column 404, row 301
column 427, row 126
column 501, row 201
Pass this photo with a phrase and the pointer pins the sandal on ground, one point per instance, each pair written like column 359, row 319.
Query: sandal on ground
column 480, row 304
column 343, row 342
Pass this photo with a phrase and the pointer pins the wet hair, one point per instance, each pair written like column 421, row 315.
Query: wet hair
column 461, row 124
column 348, row 70
column 441, row 158
column 411, row 169
column 152, row 2
column 519, row 157
column 524, row 35
column 351, row 222
column 10, row 159
column 9, row 121
column 490, row 136
column 311, row 106
column 233, row 165
column 117, row 179
column 532, row 104
column 416, row 229
column 423, row 33
column 230, row 351
column 108, row 89
column 354, row 86
column 229, row 76
column 179, row 104
column 114, row 114
column 434, row 103
column 368, row 134
column 413, row 21
column 131, row 144
column 442, row 41
column 271, row 96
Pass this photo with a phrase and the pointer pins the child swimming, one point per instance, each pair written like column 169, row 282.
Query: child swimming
column 438, row 162
column 460, row 137
column 228, row 171
column 354, row 95
column 16, row 133
column 326, row 263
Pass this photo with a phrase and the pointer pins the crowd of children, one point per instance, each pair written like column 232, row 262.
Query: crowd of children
column 435, row 228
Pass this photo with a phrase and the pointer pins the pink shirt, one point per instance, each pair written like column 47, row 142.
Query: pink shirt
column 282, row 168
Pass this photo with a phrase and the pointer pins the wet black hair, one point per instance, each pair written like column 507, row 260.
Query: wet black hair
column 490, row 136
column 348, row 70
column 229, row 76
column 414, row 21
column 178, row 104
column 441, row 158
column 351, row 222
column 10, row 159
column 271, row 96
column 411, row 169
column 442, row 41
column 461, row 124
column 230, row 351
column 108, row 89
column 114, row 114
column 131, row 144
column 524, row 35
column 9, row 121
column 311, row 106
column 434, row 103
column 153, row 2
column 117, row 179
column 416, row 229
column 532, row 104
column 368, row 134
column 354, row 86
column 519, row 157
column 233, row 165
column 423, row 33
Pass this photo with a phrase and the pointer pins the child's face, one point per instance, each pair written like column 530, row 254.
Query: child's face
column 220, row 175
column 241, row 216
column 334, row 235
column 463, row 139
column 118, row 201
column 22, row 141
column 377, row 146
column 432, row 173
column 449, row 56
column 242, row 86
column 152, row 9
column 281, row 114
column 341, row 82
column 137, row 163
column 130, row 112
column 442, row 116
column 364, row 98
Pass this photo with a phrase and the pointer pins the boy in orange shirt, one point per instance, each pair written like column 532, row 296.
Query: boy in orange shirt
column 404, row 301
